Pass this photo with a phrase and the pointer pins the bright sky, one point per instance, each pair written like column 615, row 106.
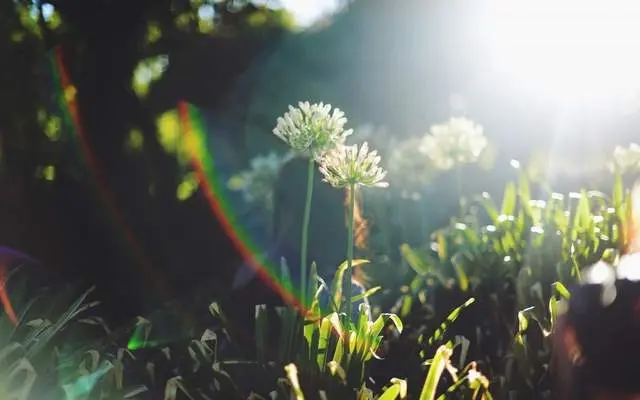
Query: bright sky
column 306, row 12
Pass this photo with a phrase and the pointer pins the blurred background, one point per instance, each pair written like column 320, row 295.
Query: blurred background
column 95, row 179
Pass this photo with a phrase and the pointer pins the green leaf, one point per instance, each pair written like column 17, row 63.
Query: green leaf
column 323, row 342
column 337, row 370
column 561, row 290
column 339, row 351
column 334, row 319
column 618, row 190
column 453, row 315
column 509, row 199
column 373, row 348
column 49, row 173
column 396, row 321
column 523, row 321
column 463, row 279
column 313, row 288
column 553, row 310
column 292, row 376
column 413, row 260
column 582, row 219
column 363, row 394
column 339, row 277
column 382, row 319
column 352, row 344
column 172, row 386
column 523, row 188
column 363, row 330
column 40, row 337
column 366, row 294
column 442, row 246
column 439, row 363
column 406, row 303
column 397, row 390
column 20, row 368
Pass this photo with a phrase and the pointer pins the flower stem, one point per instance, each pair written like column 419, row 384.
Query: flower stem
column 349, row 272
column 305, row 234
column 459, row 186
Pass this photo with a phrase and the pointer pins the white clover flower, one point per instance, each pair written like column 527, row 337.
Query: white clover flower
column 348, row 166
column 627, row 158
column 312, row 129
column 409, row 167
column 257, row 182
column 459, row 141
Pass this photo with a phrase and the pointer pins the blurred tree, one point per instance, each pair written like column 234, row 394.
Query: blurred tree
column 106, row 210
column 398, row 64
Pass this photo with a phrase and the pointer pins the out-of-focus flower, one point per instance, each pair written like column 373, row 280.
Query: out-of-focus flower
column 459, row 141
column 312, row 129
column 257, row 182
column 409, row 168
column 626, row 158
column 348, row 166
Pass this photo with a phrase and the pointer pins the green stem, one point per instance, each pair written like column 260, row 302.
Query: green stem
column 459, row 185
column 349, row 272
column 305, row 234
column 424, row 234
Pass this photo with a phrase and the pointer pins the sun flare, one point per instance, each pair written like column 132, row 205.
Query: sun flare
column 569, row 49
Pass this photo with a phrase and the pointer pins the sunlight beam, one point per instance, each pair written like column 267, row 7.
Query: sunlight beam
column 568, row 50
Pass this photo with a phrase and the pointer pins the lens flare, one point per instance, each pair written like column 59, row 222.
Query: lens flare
column 66, row 95
column 570, row 50
column 7, row 257
column 4, row 298
column 196, row 140
column 197, row 143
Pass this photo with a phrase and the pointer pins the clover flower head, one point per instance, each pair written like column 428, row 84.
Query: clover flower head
column 459, row 141
column 348, row 166
column 627, row 158
column 312, row 129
